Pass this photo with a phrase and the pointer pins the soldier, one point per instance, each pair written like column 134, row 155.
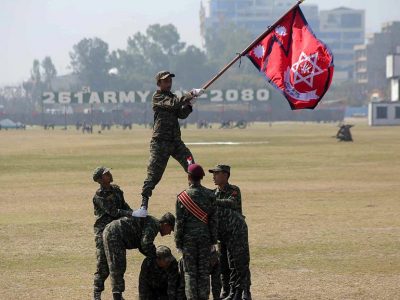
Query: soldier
column 158, row 277
column 131, row 233
column 344, row 134
column 227, row 196
column 196, row 233
column 215, row 274
column 109, row 204
column 166, row 140
column 233, row 232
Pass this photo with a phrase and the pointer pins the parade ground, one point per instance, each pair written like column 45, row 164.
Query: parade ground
column 323, row 215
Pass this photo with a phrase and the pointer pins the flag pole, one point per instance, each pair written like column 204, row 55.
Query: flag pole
column 255, row 42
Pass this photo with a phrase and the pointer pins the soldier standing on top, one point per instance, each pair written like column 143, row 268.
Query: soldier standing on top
column 227, row 196
column 166, row 140
column 196, row 233
column 109, row 204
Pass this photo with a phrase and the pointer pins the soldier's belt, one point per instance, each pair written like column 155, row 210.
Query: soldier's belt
column 192, row 207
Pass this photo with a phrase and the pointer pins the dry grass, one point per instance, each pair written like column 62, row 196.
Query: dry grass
column 324, row 217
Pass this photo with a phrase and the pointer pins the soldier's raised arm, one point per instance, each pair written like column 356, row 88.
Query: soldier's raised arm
column 169, row 101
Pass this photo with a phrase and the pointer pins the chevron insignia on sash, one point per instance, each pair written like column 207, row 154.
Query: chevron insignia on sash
column 192, row 207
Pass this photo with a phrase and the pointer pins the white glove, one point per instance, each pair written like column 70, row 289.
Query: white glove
column 213, row 248
column 193, row 101
column 197, row 92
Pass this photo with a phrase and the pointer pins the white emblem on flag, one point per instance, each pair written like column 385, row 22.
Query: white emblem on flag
column 306, row 68
column 259, row 51
column 281, row 30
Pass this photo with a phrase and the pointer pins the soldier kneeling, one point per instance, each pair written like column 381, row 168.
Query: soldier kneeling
column 159, row 276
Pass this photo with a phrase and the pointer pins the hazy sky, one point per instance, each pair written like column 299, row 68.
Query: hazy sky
column 32, row 29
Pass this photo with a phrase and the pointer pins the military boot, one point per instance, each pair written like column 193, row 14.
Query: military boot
column 96, row 295
column 117, row 296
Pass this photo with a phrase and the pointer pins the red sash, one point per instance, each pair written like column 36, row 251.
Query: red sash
column 192, row 207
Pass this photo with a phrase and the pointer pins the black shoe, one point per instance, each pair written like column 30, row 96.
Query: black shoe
column 96, row 295
column 117, row 296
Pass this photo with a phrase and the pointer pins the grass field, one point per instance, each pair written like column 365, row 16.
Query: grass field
column 323, row 216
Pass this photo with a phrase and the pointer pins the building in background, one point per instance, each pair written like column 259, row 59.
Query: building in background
column 341, row 29
column 370, row 60
column 253, row 15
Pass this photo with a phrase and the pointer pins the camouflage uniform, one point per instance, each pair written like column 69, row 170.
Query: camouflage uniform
column 195, row 239
column 215, row 274
column 229, row 197
column 128, row 233
column 156, row 283
column 109, row 205
column 166, row 140
column 233, row 232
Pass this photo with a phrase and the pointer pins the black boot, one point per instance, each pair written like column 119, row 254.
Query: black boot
column 117, row 296
column 96, row 295
column 246, row 294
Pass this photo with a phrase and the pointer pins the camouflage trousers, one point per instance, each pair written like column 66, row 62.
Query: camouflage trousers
column 196, row 265
column 160, row 151
column 115, row 250
column 101, row 266
column 239, row 260
column 225, row 270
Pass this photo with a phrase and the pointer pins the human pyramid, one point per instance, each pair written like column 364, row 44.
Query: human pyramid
column 210, row 230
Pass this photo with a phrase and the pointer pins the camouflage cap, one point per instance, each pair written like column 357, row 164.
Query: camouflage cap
column 169, row 219
column 100, row 171
column 221, row 168
column 164, row 74
column 164, row 253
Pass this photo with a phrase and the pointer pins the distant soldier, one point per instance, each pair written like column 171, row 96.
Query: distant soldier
column 233, row 232
column 131, row 233
column 159, row 276
column 215, row 274
column 227, row 196
column 166, row 141
column 109, row 204
column 344, row 134
column 196, row 233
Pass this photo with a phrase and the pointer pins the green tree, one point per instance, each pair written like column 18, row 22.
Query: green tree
column 90, row 59
column 49, row 71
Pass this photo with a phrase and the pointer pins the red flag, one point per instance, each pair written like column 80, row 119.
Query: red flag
column 295, row 61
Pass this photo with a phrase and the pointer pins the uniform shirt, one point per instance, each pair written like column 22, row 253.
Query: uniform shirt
column 139, row 233
column 168, row 108
column 187, row 224
column 229, row 197
column 109, row 205
column 230, row 222
column 152, row 278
